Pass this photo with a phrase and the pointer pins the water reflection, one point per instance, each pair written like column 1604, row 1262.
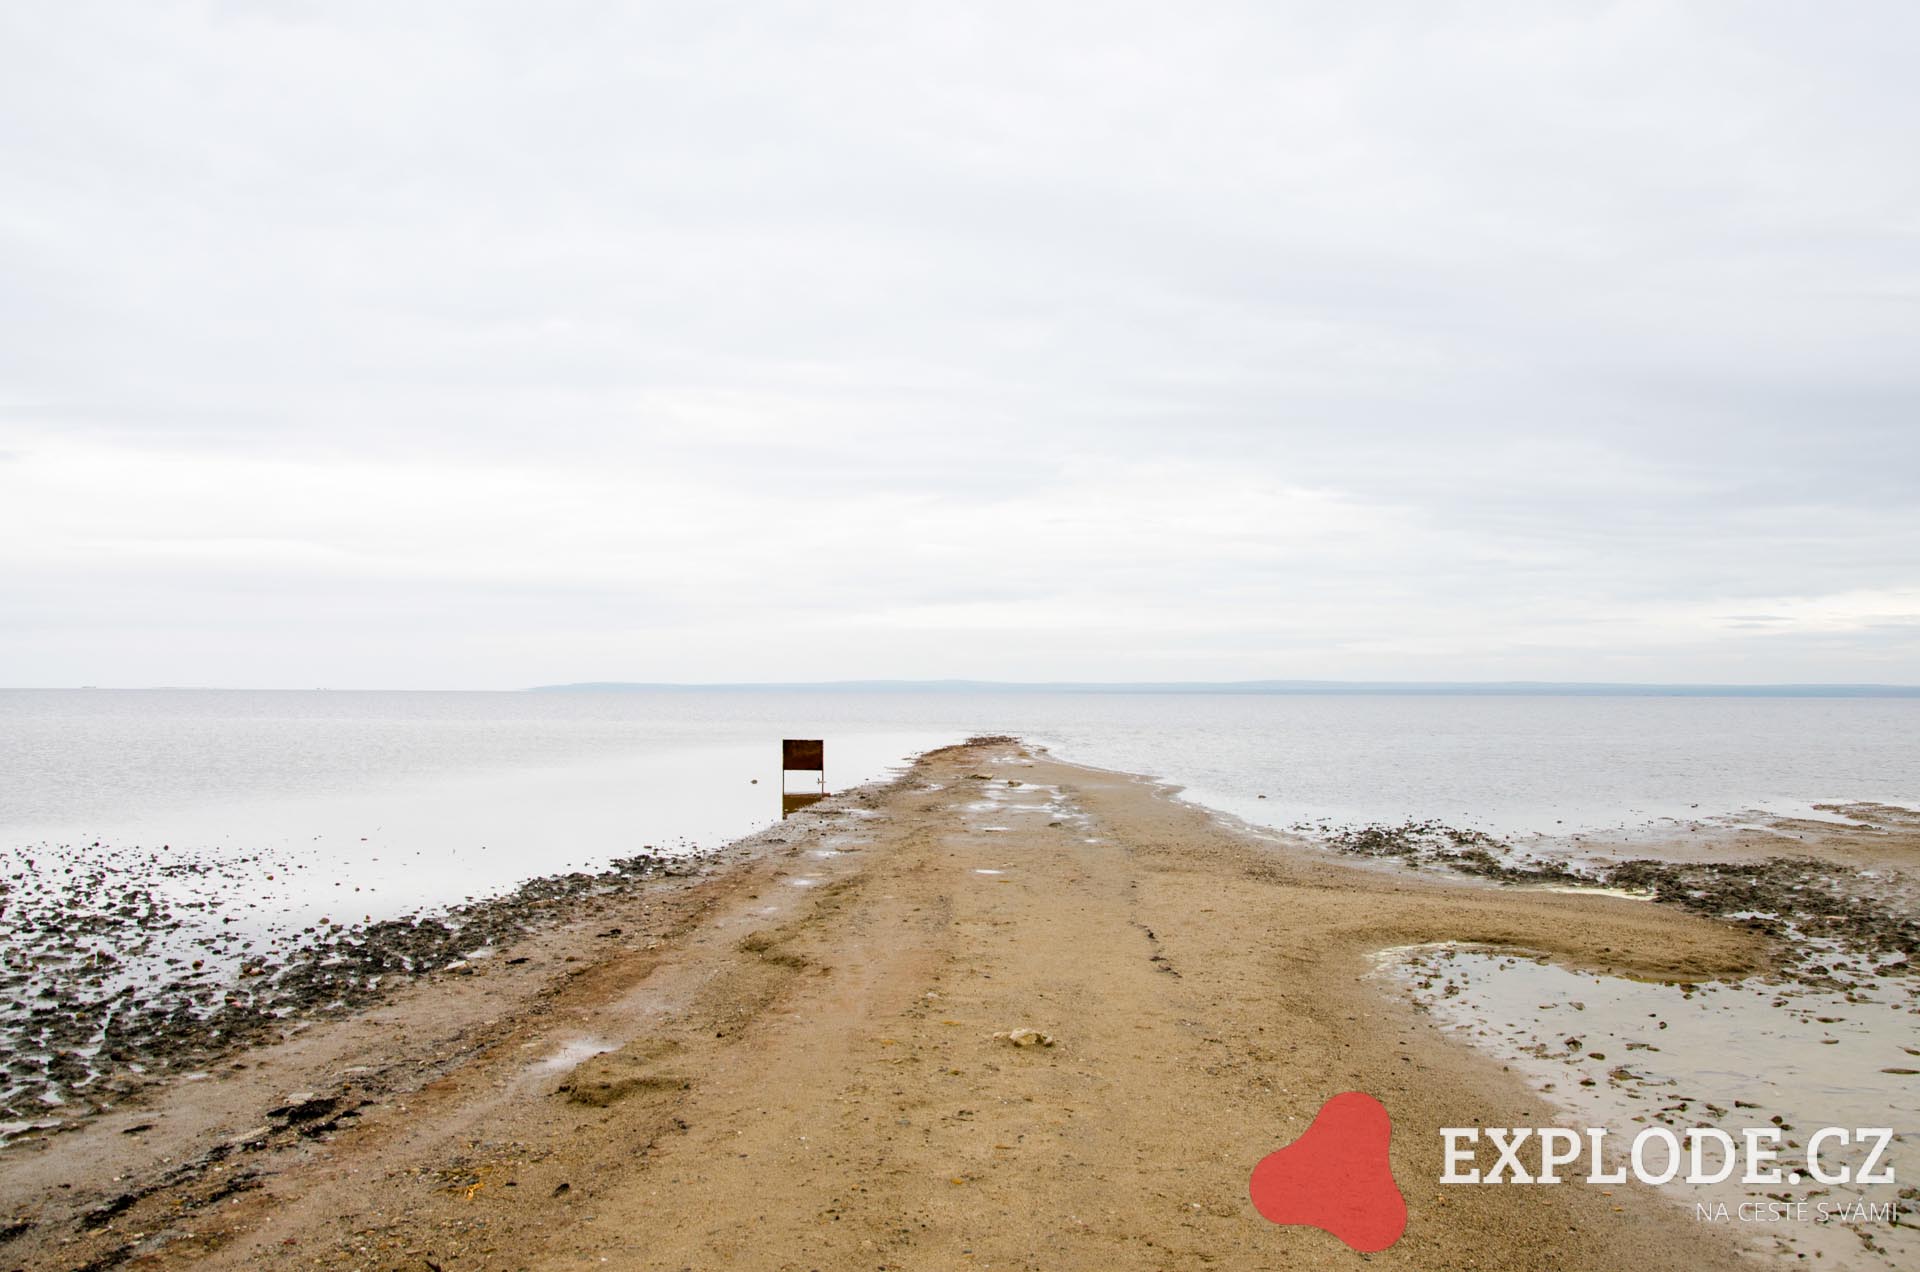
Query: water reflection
column 792, row 802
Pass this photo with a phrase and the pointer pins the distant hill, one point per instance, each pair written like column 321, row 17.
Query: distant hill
column 1479, row 688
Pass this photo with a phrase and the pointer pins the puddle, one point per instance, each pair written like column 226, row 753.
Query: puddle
column 1628, row 1055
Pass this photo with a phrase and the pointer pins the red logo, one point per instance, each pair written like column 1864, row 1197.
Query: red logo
column 1336, row 1177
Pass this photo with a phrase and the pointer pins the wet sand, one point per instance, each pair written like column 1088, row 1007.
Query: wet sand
column 790, row 1061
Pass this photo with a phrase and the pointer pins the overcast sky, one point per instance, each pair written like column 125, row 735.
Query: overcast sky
column 482, row 345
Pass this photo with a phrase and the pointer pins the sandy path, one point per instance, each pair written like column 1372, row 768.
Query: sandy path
column 803, row 1072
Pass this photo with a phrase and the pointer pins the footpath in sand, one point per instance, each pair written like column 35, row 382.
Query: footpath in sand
column 791, row 1063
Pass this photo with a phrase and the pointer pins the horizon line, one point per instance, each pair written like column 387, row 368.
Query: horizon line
column 1275, row 686
column 1241, row 687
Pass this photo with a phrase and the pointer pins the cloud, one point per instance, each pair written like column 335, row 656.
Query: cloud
column 456, row 345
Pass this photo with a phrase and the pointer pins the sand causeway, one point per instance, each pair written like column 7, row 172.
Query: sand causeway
column 725, row 1070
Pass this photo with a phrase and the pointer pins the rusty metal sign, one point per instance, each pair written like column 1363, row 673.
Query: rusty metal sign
column 803, row 754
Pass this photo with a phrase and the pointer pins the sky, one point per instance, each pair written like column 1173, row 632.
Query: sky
column 475, row 345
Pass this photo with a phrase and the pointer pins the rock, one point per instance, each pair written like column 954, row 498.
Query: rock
column 1025, row 1038
column 311, row 1109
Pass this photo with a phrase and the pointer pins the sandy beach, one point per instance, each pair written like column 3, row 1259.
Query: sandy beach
column 790, row 1060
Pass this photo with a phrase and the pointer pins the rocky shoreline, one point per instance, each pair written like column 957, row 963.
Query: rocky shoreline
column 82, row 1035
column 1833, row 923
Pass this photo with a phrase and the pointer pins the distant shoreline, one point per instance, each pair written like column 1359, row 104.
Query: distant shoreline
column 1244, row 688
column 1387, row 688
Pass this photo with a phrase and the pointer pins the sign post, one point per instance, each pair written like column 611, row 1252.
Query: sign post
column 802, row 755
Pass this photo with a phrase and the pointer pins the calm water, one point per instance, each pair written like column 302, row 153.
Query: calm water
column 1513, row 764
column 423, row 798
column 256, row 817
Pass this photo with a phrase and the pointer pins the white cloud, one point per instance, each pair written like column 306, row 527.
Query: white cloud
column 463, row 345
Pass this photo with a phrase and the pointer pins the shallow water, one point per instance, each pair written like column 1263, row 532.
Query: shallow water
column 1511, row 765
column 252, row 817
column 1624, row 1054
column 262, row 814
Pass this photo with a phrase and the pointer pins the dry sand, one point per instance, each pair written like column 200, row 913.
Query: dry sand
column 800, row 1069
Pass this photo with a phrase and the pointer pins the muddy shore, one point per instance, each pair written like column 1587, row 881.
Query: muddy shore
column 796, row 1059
column 90, row 1032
